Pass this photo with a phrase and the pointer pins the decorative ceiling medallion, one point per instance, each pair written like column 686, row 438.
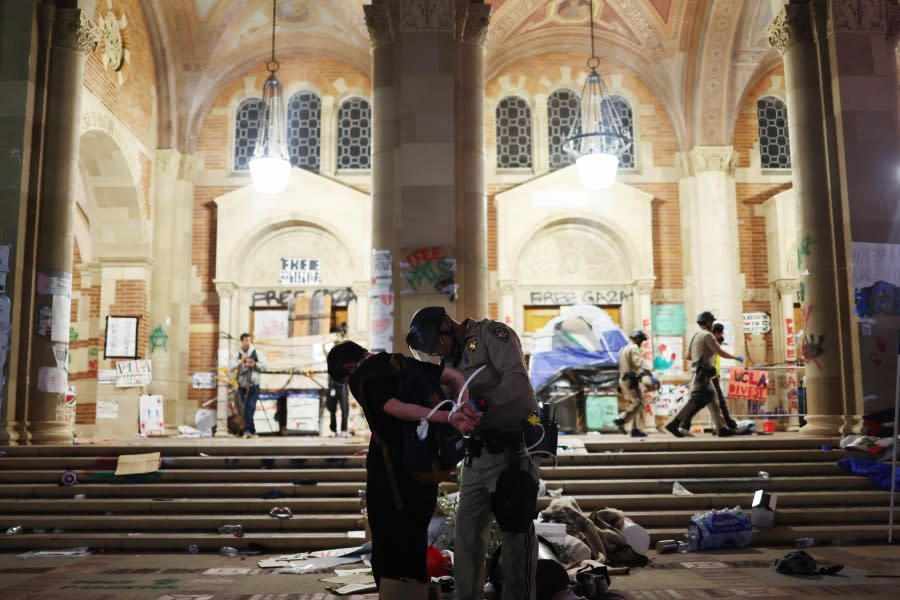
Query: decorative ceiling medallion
column 115, row 54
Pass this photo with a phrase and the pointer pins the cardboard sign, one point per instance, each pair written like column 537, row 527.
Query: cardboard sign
column 748, row 384
column 756, row 323
column 133, row 464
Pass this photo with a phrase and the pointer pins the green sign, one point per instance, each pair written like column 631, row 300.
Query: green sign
column 667, row 319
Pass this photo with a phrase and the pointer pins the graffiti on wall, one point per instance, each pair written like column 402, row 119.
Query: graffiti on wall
column 287, row 298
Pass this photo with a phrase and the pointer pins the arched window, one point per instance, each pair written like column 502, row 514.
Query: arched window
column 354, row 135
column 246, row 131
column 513, row 133
column 626, row 120
column 563, row 110
column 774, row 142
column 304, row 130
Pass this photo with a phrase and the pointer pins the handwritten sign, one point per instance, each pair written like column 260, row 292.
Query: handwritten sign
column 121, row 337
column 748, row 384
column 756, row 323
column 875, row 262
column 270, row 324
column 133, row 373
column 300, row 271
column 667, row 319
column 790, row 346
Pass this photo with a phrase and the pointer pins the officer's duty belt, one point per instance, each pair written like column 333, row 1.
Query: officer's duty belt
column 496, row 442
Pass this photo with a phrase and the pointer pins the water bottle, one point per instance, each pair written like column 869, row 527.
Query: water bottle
column 805, row 542
column 192, row 549
column 235, row 530
column 228, row 551
column 14, row 530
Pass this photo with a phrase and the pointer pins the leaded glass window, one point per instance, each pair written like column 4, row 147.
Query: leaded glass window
column 355, row 135
column 626, row 120
column 774, row 142
column 304, row 130
column 246, row 131
column 563, row 110
column 513, row 133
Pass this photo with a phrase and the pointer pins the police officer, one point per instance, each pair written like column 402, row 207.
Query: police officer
column 499, row 476
column 701, row 350
column 631, row 369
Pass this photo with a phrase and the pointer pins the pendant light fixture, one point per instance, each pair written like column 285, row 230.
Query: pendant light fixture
column 599, row 138
column 270, row 167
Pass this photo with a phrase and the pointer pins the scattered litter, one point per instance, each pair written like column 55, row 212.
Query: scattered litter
column 77, row 551
column 228, row 551
column 557, row 493
column 763, row 474
column 353, row 588
column 235, row 530
column 316, row 564
column 188, row 431
column 80, row 497
column 192, row 548
column 203, row 454
column 14, row 530
column 356, row 534
column 281, row 512
column 827, row 447
column 350, row 572
column 805, row 542
column 136, row 464
column 680, row 490
column 68, row 478
column 726, row 528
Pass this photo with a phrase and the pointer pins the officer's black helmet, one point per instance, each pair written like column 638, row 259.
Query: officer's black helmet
column 638, row 335
column 706, row 317
column 424, row 329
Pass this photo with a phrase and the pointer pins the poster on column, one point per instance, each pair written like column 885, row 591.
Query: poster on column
column 121, row 337
column 667, row 319
column 668, row 355
column 381, row 302
column 790, row 347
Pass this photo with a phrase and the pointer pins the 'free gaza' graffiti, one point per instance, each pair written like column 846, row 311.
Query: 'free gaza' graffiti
column 564, row 297
column 339, row 297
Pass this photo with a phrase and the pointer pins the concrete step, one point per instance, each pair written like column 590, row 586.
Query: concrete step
column 164, row 476
column 222, row 488
column 700, row 502
column 709, row 485
column 255, row 523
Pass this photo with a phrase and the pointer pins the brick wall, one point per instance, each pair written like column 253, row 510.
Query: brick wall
column 132, row 103
column 131, row 300
column 80, row 294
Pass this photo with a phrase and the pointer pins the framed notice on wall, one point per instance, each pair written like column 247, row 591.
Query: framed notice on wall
column 121, row 337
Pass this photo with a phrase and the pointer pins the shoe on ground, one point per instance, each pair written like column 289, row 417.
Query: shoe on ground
column 638, row 433
column 732, row 424
column 620, row 423
column 247, row 435
column 725, row 432
column 673, row 429
column 686, row 432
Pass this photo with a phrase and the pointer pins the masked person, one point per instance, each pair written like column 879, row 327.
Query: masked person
column 631, row 369
column 499, row 477
column 701, row 350
column 399, row 506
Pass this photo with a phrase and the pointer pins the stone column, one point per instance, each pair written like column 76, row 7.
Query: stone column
column 226, row 291
column 428, row 185
column 861, row 42
column 821, row 240
column 540, row 136
column 328, row 139
column 73, row 37
column 709, row 220
column 170, row 285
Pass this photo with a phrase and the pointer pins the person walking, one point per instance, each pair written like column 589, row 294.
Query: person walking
column 701, row 350
column 631, row 369
column 718, row 330
column 399, row 506
column 499, row 477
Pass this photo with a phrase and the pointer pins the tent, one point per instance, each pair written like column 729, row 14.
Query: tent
column 584, row 336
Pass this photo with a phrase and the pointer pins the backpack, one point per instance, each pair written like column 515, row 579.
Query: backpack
column 799, row 562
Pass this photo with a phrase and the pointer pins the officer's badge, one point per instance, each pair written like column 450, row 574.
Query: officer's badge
column 501, row 332
column 472, row 346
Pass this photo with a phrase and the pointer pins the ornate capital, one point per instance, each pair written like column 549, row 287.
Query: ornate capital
column 225, row 289
column 667, row 296
column 854, row 16
column 712, row 158
column 168, row 162
column 644, row 286
column 787, row 287
column 74, row 31
column 427, row 15
column 791, row 26
column 755, row 295
column 472, row 20
column 381, row 23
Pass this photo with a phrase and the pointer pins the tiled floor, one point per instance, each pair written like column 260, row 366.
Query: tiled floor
column 870, row 572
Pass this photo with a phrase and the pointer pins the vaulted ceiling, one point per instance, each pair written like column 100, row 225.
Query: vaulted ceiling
column 697, row 55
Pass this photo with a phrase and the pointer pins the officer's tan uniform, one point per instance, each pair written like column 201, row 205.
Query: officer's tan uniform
column 631, row 362
column 702, row 349
column 505, row 386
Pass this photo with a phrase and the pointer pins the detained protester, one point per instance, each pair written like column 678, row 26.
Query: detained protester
column 393, row 389
column 499, row 477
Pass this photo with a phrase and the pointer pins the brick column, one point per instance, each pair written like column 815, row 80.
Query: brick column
column 428, row 156
column 73, row 37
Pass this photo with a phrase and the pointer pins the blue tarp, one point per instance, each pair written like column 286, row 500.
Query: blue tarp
column 547, row 364
column 879, row 473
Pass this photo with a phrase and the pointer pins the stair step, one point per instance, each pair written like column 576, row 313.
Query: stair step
column 184, row 523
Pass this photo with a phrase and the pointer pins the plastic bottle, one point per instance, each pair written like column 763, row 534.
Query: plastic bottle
column 192, row 548
column 228, row 551
column 804, row 542
column 235, row 530
column 14, row 530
